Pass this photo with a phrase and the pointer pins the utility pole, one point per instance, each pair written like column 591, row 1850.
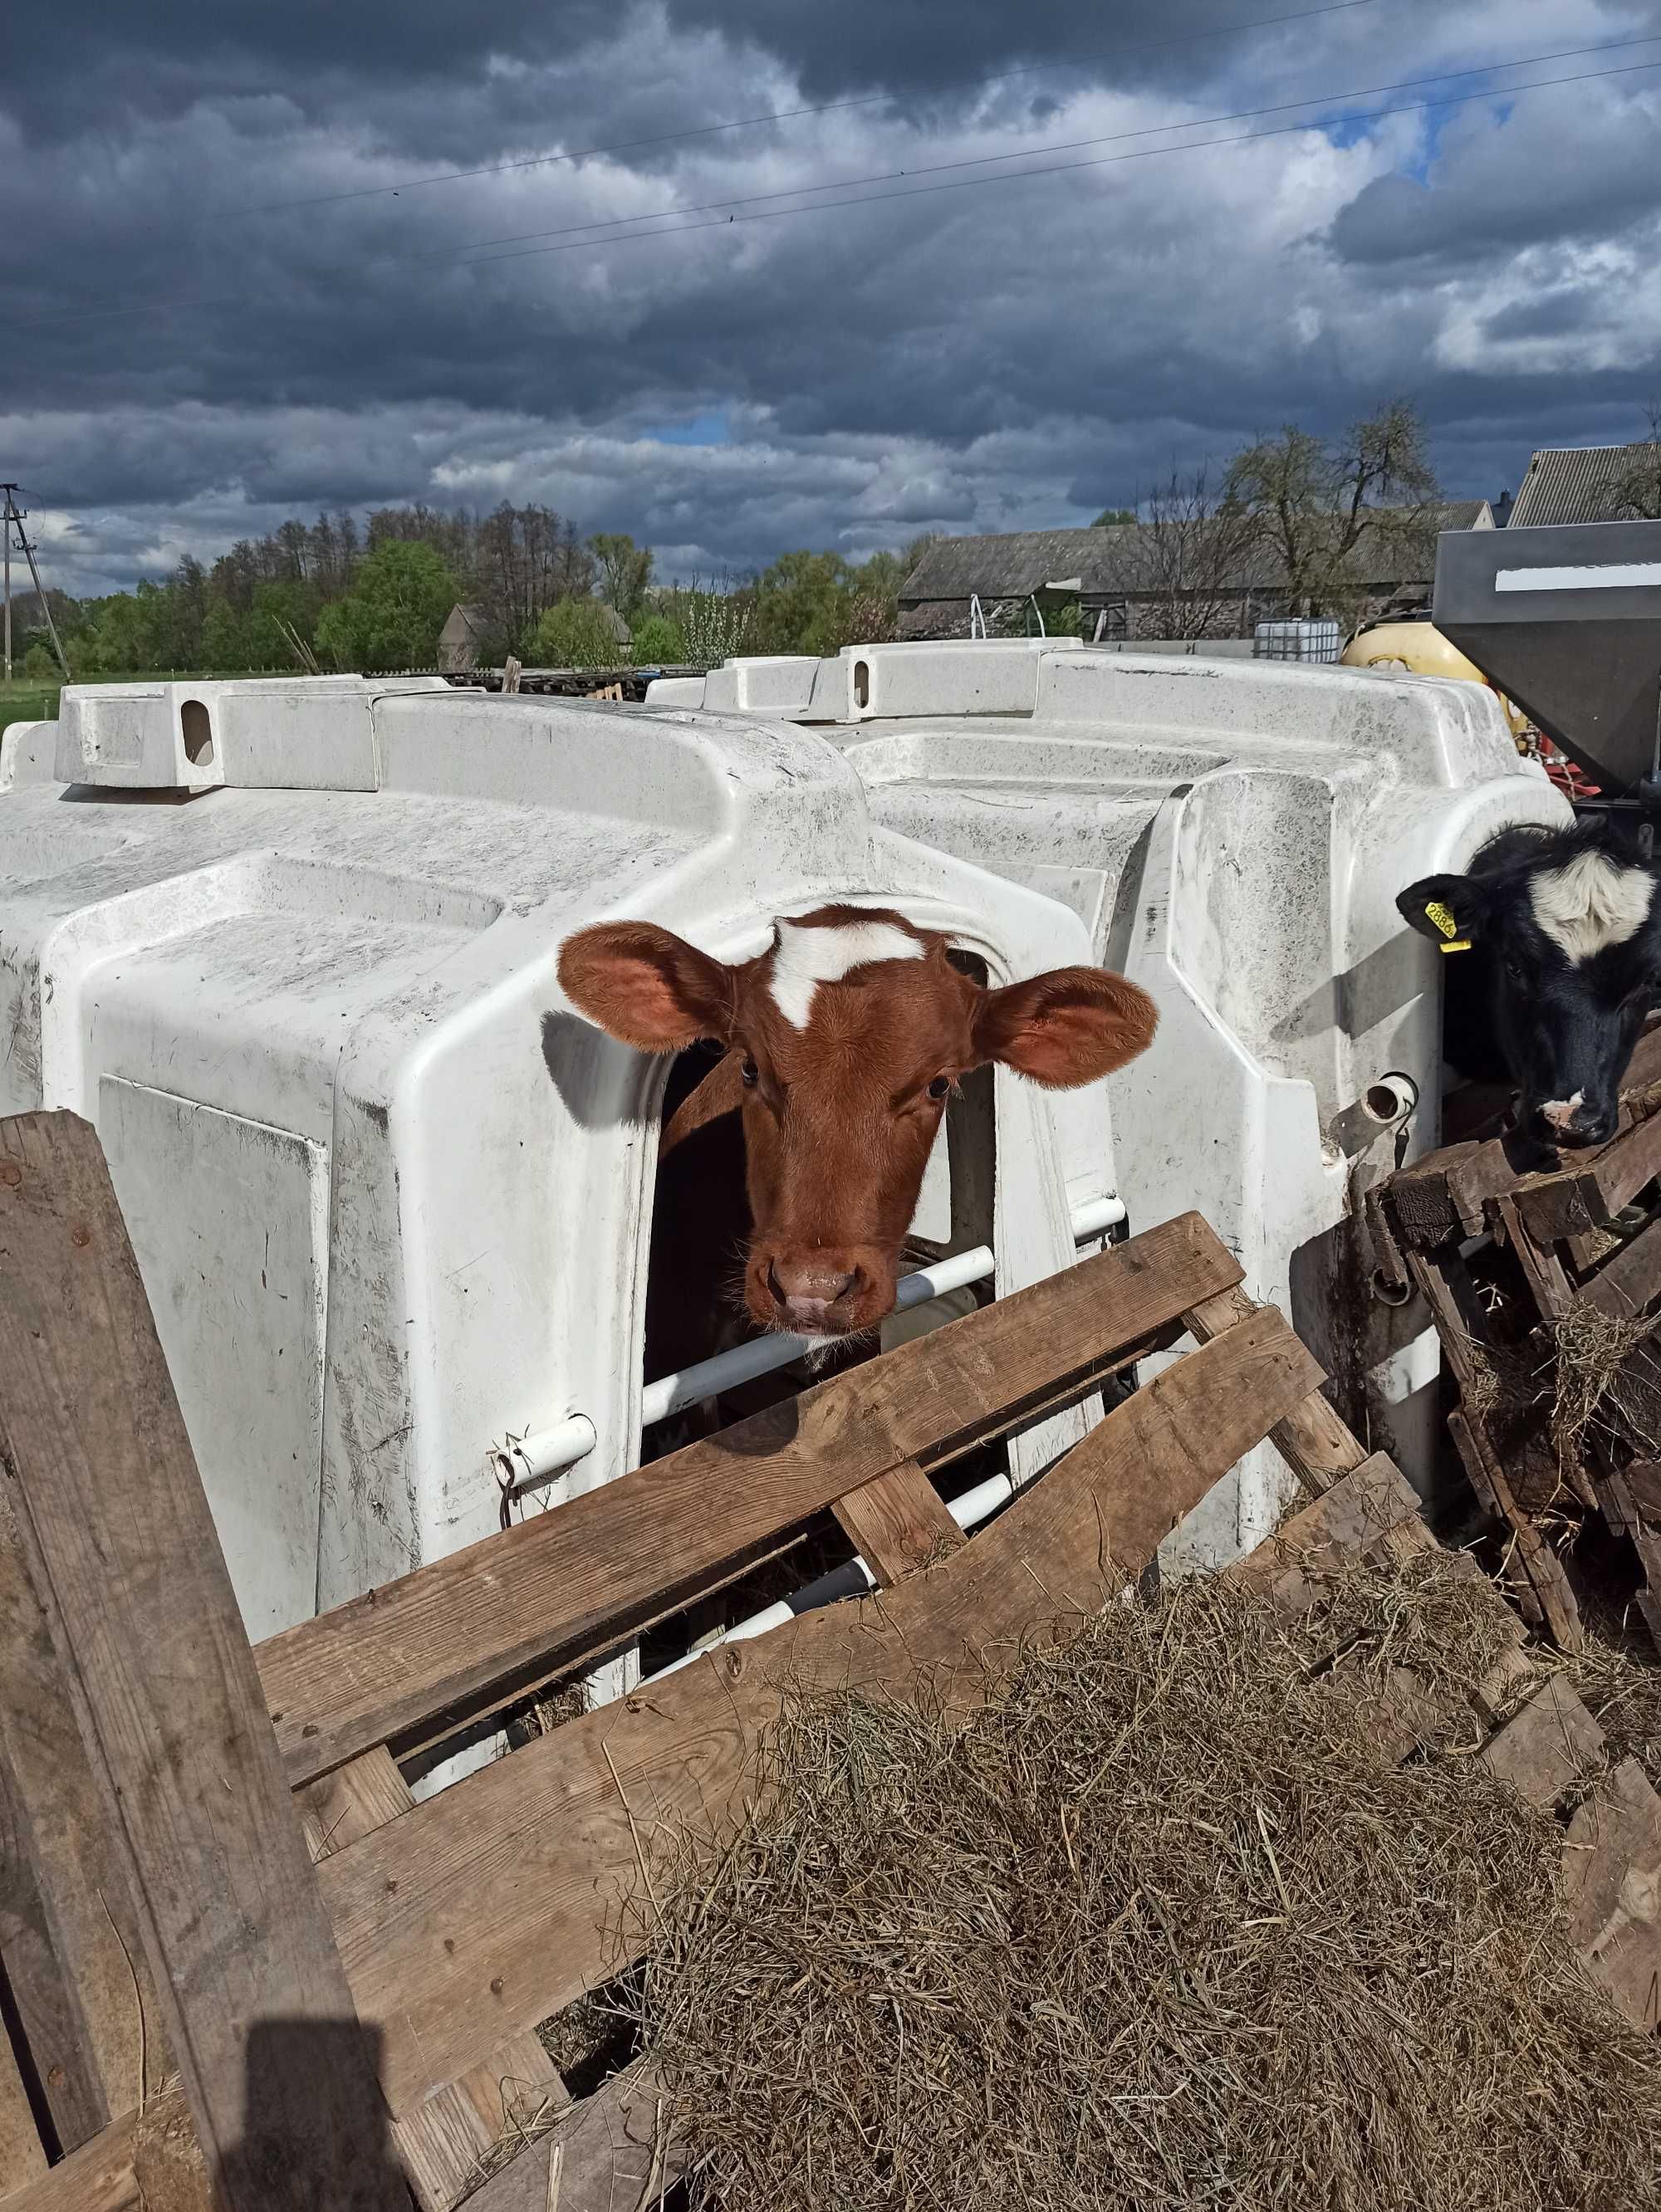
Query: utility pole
column 14, row 514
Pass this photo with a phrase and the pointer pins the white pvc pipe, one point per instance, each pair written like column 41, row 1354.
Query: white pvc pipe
column 974, row 1506
column 534, row 1458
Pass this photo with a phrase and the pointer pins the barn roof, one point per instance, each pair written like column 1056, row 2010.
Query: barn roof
column 1578, row 483
column 1112, row 559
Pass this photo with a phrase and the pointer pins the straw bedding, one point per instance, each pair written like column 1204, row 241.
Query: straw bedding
column 1157, row 1926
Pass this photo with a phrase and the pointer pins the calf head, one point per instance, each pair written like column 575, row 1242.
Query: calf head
column 1571, row 936
column 851, row 1031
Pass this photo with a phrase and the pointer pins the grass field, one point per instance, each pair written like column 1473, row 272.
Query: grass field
column 27, row 703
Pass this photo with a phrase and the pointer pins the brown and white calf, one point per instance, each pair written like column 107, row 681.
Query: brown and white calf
column 843, row 1042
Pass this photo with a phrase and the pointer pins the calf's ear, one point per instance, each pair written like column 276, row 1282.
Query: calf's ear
column 1448, row 910
column 646, row 987
column 1067, row 1027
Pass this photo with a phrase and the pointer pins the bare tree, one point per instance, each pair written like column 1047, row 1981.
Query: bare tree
column 1191, row 557
column 1321, row 505
column 523, row 560
column 1634, row 490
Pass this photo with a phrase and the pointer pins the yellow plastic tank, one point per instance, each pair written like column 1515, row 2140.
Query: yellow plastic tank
column 1420, row 649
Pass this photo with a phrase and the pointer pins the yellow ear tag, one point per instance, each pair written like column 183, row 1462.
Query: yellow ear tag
column 1443, row 918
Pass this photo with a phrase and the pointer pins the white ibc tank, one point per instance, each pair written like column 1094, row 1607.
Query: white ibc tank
column 1232, row 834
column 292, row 948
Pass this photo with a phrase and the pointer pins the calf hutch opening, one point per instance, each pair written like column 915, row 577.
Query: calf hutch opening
column 329, row 1994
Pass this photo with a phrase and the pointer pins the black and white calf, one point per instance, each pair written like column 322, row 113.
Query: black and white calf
column 1555, row 939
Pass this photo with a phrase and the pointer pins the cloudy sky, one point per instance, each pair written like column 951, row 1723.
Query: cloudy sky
column 1001, row 271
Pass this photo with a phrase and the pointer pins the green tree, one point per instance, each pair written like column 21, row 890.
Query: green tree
column 125, row 635
column 800, row 604
column 1314, row 501
column 658, row 640
column 402, row 593
column 576, row 633
column 224, row 638
column 279, row 608
column 625, row 571
column 38, row 666
column 1110, row 515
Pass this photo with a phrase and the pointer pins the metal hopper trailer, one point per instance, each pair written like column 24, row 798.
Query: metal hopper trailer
column 1567, row 621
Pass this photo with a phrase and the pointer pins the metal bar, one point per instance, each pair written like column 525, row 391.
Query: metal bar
column 850, row 1580
column 547, row 1452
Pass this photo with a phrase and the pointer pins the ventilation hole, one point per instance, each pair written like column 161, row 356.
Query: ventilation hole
column 862, row 684
column 1382, row 1103
column 197, row 731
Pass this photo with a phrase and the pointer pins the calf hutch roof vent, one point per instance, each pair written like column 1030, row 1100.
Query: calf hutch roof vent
column 1565, row 621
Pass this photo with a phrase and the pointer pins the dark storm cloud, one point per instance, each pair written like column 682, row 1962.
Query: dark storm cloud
column 999, row 356
column 171, row 55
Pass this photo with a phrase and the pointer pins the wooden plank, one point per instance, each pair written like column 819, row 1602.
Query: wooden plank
column 1612, row 1880
column 1629, row 1279
column 120, row 1545
column 563, row 1584
column 1444, row 1195
column 445, row 2142
column 23, row 2154
column 1542, row 1270
column 508, row 1885
column 97, row 2178
column 1314, row 1439
column 352, row 1802
column 1641, row 1482
column 449, row 2142
column 1349, row 1521
column 169, row 2168
column 1538, row 1564
column 897, row 1522
column 616, row 2152
column 1547, row 1747
column 70, row 1940
column 1589, row 1196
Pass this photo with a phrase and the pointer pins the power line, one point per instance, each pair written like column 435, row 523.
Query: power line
column 471, row 257
column 461, row 255
column 778, row 115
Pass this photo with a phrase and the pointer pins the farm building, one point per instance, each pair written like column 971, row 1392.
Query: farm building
column 458, row 639
column 1589, row 484
column 1137, row 579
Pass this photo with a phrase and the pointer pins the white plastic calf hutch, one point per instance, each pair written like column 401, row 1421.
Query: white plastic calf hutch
column 292, row 947
column 1232, row 834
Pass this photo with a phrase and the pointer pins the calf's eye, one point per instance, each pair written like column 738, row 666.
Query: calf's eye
column 939, row 1086
column 751, row 1075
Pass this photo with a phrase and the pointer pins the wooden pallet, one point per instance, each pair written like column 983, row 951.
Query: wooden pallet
column 213, row 1865
column 1553, row 1249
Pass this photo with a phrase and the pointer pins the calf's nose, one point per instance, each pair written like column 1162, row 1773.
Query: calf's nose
column 806, row 1285
column 1577, row 1120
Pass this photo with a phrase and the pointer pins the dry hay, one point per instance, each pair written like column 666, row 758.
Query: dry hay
column 1617, row 1676
column 1592, row 1348
column 1151, row 1929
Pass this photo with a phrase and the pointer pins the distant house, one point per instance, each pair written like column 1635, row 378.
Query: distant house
column 620, row 630
column 1584, row 484
column 460, row 638
column 1112, row 572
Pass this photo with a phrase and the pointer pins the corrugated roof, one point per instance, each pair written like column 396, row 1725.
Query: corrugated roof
column 1577, row 483
column 1112, row 560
